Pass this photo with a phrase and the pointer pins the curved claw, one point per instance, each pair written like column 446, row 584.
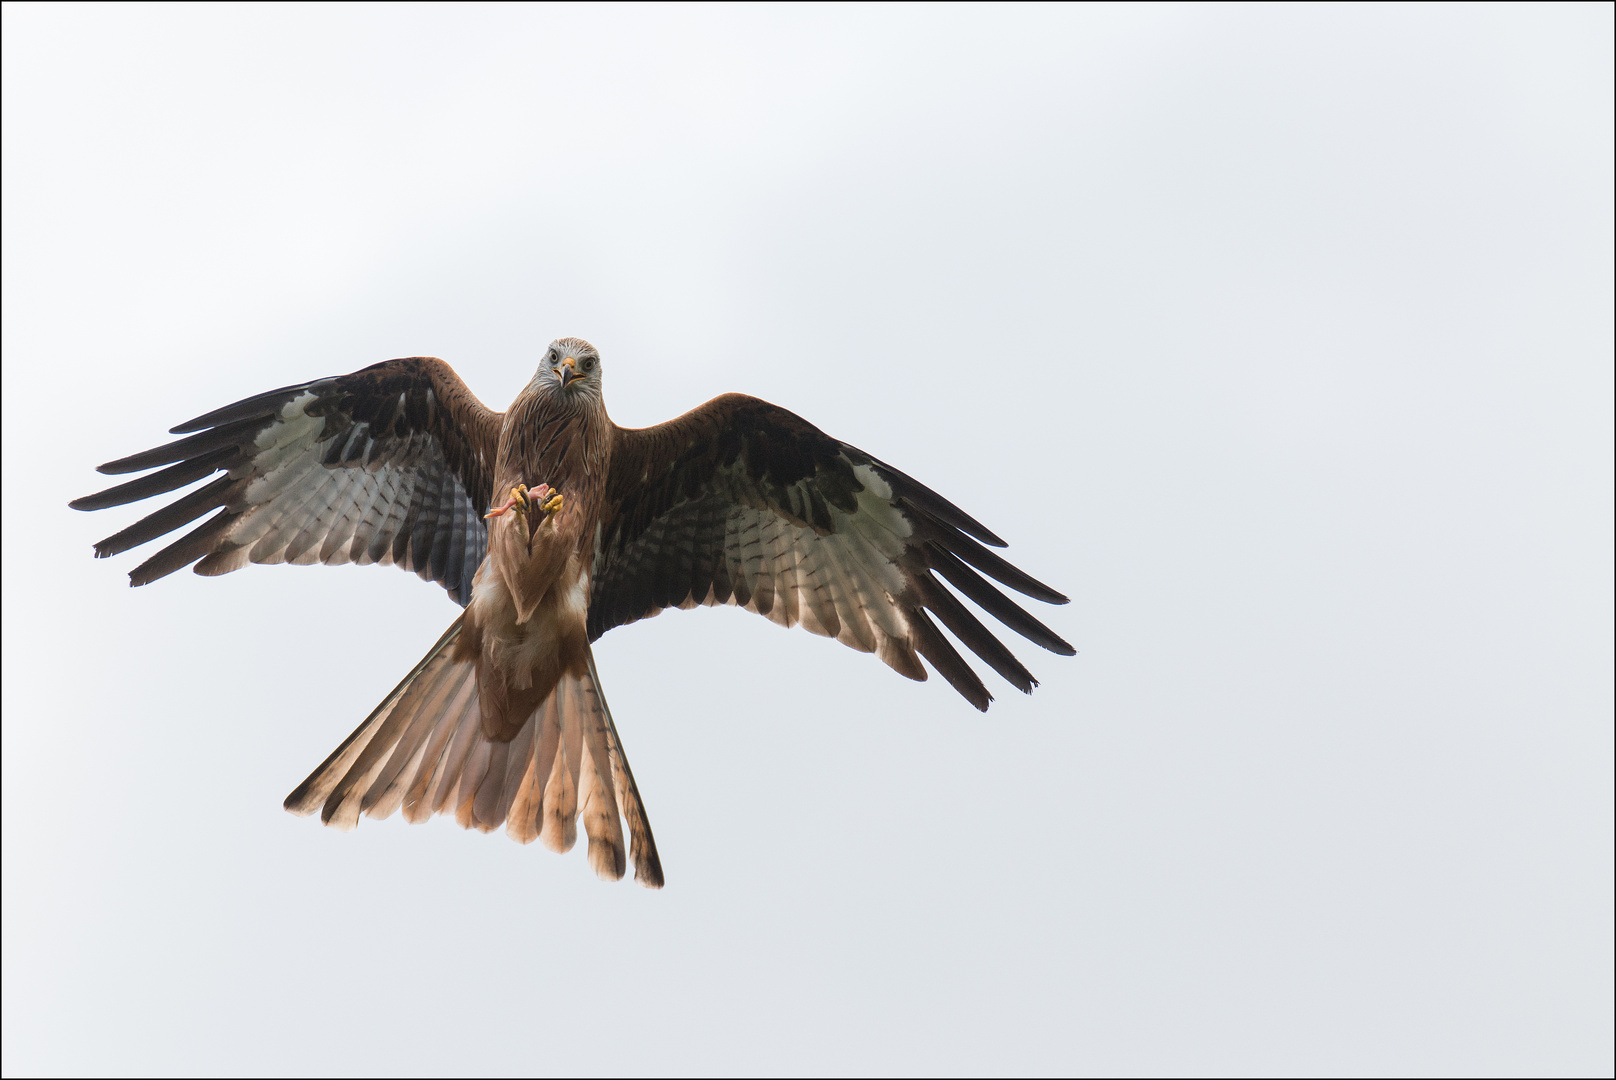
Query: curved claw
column 517, row 502
column 522, row 500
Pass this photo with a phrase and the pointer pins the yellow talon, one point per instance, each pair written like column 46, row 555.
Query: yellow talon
column 518, row 502
column 522, row 500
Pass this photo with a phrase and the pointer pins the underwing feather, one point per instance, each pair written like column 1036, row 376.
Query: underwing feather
column 298, row 463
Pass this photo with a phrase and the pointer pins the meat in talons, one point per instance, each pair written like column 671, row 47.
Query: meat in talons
column 521, row 504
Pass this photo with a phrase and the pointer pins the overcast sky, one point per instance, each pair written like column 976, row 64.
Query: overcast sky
column 1279, row 338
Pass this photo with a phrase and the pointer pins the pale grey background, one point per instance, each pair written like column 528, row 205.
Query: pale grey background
column 1280, row 338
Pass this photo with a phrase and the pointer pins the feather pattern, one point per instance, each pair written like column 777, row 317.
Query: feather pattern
column 503, row 722
column 392, row 464
column 740, row 502
column 565, row 763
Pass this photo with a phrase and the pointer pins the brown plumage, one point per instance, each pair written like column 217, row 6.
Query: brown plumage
column 503, row 722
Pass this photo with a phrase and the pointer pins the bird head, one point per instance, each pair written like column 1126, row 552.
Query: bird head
column 572, row 366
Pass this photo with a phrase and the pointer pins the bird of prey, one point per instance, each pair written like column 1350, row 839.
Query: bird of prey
column 550, row 525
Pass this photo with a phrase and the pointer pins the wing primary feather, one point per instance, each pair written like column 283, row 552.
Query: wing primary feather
column 159, row 483
column 180, row 449
column 930, row 643
column 200, row 541
column 993, row 601
column 969, row 629
column 265, row 404
column 996, row 567
column 179, row 512
column 927, row 500
column 372, row 466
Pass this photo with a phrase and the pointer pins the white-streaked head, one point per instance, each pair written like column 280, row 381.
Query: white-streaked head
column 571, row 369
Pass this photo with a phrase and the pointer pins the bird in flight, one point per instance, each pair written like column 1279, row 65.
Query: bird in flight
column 549, row 525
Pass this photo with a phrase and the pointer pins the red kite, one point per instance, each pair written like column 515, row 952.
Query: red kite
column 503, row 722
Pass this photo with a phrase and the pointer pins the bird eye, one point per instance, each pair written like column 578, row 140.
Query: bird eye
column 550, row 356
column 589, row 363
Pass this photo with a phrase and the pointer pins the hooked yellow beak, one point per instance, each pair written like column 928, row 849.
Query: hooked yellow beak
column 567, row 372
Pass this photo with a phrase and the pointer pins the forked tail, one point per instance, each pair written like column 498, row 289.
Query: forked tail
column 423, row 748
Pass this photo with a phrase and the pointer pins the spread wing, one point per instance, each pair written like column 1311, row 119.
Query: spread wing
column 392, row 464
column 741, row 502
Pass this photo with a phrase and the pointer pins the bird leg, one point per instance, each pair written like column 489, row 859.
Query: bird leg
column 517, row 503
column 521, row 504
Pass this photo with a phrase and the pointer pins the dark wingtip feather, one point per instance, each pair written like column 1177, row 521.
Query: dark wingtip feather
column 158, row 483
column 970, row 631
column 196, row 445
column 929, row 502
column 265, row 404
column 930, row 643
column 184, row 551
column 994, row 602
column 933, row 505
column 180, row 512
column 997, row 567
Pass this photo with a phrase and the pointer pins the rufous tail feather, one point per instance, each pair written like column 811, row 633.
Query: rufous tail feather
column 423, row 749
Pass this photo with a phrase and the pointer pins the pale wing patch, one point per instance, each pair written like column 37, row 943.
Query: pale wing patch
column 310, row 499
column 842, row 583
